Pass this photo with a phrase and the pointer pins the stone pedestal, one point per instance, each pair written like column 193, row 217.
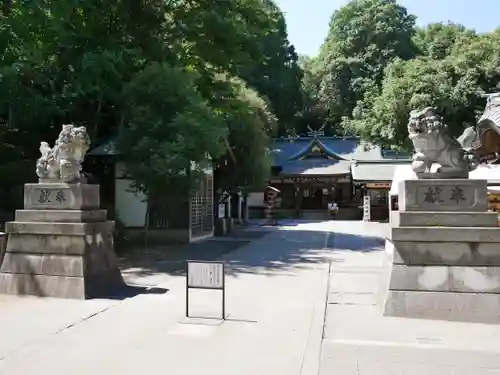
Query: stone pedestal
column 60, row 245
column 445, row 253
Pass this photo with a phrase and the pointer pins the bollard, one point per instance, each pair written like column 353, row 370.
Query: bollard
column 3, row 246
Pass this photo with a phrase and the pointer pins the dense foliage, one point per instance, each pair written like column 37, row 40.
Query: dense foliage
column 375, row 66
column 183, row 83
column 147, row 73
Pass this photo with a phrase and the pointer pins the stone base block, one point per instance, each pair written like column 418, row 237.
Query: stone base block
column 443, row 195
column 450, row 306
column 447, row 253
column 60, row 196
column 69, row 229
column 445, row 279
column 42, row 285
column 44, row 264
column 445, row 234
column 447, row 219
column 101, row 285
column 73, row 261
column 61, row 216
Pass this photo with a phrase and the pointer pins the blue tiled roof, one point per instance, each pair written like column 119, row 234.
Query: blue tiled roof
column 105, row 149
column 285, row 149
column 373, row 163
column 377, row 170
column 317, row 167
column 288, row 153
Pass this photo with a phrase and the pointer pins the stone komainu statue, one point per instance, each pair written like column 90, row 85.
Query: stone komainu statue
column 63, row 162
column 437, row 154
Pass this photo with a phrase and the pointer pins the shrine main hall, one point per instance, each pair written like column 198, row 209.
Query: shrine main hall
column 315, row 171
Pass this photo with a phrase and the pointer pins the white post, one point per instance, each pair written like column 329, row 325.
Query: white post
column 228, row 211
column 246, row 210
column 239, row 209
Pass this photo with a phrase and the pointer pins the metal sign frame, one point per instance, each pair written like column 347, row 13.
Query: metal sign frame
column 222, row 288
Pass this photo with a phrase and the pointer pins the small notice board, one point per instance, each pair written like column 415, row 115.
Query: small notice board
column 205, row 275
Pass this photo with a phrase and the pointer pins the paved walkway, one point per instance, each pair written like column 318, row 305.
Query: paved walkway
column 276, row 291
column 358, row 340
column 281, row 289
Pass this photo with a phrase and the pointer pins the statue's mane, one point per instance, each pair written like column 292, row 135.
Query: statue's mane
column 425, row 120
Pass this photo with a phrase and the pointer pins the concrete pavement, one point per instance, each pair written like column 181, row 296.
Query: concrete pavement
column 276, row 289
column 300, row 301
column 358, row 340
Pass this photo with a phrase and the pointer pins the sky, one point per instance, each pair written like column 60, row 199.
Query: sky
column 308, row 20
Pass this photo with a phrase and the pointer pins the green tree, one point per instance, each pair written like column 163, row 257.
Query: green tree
column 437, row 40
column 408, row 85
column 246, row 164
column 87, row 62
column 364, row 37
column 313, row 112
column 454, row 84
column 275, row 74
column 168, row 129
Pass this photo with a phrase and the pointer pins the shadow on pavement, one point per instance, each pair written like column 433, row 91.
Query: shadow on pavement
column 355, row 242
column 130, row 291
column 172, row 259
column 286, row 248
column 295, row 249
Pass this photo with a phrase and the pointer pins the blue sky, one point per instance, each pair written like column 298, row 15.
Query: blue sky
column 308, row 20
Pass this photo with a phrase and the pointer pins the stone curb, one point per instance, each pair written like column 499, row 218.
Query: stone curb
column 312, row 354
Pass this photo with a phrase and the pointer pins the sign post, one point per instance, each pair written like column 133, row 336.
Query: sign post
column 272, row 202
column 366, row 208
column 206, row 275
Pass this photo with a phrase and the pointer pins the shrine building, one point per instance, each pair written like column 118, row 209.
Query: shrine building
column 180, row 217
column 316, row 171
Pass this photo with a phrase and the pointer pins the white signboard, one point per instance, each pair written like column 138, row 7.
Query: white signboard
column 205, row 275
column 222, row 210
column 366, row 208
